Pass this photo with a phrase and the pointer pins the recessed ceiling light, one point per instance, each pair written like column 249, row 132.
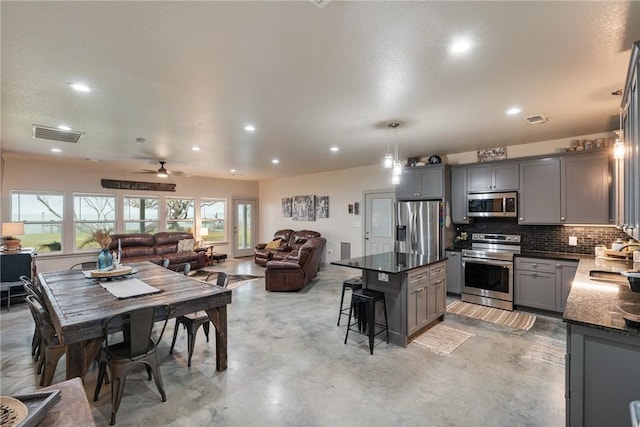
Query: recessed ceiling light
column 513, row 111
column 275, row 161
column 80, row 87
column 334, row 149
column 194, row 148
column 250, row 128
column 56, row 150
column 460, row 45
column 64, row 127
column 233, row 170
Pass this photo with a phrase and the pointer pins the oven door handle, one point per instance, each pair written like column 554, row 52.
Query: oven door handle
column 507, row 264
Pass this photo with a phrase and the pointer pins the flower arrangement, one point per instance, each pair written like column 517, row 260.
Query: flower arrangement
column 103, row 238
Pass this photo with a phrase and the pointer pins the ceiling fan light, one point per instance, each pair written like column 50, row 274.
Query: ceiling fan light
column 162, row 174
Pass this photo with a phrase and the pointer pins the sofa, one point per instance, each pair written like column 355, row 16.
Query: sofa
column 158, row 247
column 293, row 272
column 284, row 243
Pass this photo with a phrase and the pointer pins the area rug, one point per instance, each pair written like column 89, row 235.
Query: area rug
column 513, row 319
column 442, row 339
column 235, row 280
column 546, row 350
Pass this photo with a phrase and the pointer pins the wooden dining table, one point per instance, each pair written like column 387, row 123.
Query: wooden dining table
column 79, row 306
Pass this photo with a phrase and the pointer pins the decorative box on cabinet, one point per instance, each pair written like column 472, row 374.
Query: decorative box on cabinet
column 501, row 176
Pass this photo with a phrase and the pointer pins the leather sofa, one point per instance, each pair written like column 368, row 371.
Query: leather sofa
column 297, row 269
column 156, row 248
column 290, row 241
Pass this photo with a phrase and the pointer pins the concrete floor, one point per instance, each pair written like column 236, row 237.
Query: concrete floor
column 288, row 366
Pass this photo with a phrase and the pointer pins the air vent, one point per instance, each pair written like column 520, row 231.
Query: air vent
column 536, row 119
column 53, row 134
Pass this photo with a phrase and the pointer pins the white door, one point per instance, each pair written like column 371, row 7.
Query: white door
column 379, row 222
column 244, row 227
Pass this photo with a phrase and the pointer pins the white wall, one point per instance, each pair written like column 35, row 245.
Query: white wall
column 68, row 176
column 343, row 187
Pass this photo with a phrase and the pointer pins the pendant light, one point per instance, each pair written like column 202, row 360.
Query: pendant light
column 618, row 145
column 397, row 165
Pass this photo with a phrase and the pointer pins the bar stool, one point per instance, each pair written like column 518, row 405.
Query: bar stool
column 366, row 299
column 353, row 284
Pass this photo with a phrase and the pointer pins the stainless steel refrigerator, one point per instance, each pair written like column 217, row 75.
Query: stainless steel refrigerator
column 418, row 227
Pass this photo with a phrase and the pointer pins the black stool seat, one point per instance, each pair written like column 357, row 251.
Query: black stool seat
column 366, row 300
column 353, row 284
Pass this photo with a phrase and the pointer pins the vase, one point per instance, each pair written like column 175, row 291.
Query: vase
column 105, row 259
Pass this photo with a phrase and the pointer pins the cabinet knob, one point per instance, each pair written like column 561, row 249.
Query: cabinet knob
column 464, row 217
column 534, row 265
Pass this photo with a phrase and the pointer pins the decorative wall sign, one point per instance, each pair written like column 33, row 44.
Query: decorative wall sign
column 356, row 208
column 489, row 154
column 304, row 208
column 286, row 207
column 322, row 207
column 137, row 185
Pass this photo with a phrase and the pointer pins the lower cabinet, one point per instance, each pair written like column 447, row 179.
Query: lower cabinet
column 427, row 296
column 543, row 283
column 454, row 271
column 602, row 376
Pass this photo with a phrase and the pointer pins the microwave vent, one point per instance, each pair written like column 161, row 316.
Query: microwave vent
column 536, row 119
column 53, row 134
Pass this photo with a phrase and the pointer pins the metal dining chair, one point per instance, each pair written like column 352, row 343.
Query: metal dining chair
column 193, row 321
column 31, row 289
column 138, row 348
column 87, row 265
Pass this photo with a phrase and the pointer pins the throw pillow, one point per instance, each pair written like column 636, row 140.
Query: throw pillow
column 274, row 244
column 185, row 245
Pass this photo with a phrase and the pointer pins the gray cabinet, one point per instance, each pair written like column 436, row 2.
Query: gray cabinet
column 584, row 189
column 426, row 296
column 539, row 199
column 630, row 193
column 422, row 183
column 543, row 283
column 459, row 195
column 602, row 376
column 454, row 271
column 494, row 177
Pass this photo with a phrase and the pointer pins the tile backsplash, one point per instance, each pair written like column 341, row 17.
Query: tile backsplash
column 553, row 238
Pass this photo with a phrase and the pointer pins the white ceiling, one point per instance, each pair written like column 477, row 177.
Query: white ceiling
column 195, row 73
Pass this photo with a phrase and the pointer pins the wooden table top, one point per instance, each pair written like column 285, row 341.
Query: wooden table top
column 80, row 305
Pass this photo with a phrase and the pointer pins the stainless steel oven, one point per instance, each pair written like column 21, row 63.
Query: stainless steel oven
column 488, row 270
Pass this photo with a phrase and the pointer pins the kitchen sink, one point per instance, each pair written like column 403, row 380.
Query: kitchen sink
column 607, row 276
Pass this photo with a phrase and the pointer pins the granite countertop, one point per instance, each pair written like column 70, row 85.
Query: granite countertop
column 566, row 256
column 390, row 262
column 595, row 303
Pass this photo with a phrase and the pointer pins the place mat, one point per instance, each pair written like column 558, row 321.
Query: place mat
column 128, row 288
column 442, row 339
column 513, row 319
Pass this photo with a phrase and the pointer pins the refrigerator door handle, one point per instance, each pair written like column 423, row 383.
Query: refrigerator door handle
column 414, row 233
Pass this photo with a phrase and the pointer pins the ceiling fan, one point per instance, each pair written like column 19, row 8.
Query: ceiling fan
column 161, row 172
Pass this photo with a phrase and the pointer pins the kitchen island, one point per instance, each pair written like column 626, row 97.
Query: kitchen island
column 603, row 351
column 414, row 285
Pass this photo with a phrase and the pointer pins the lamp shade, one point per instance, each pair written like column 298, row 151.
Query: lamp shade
column 12, row 229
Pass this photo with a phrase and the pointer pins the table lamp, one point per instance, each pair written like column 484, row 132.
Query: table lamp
column 9, row 231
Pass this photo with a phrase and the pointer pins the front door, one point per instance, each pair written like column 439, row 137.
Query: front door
column 244, row 227
column 379, row 222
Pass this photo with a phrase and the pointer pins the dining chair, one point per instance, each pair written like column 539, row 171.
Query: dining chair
column 87, row 265
column 53, row 350
column 31, row 289
column 193, row 321
column 138, row 348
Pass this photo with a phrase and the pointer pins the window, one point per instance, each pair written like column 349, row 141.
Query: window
column 140, row 214
column 43, row 216
column 212, row 219
column 180, row 214
column 93, row 212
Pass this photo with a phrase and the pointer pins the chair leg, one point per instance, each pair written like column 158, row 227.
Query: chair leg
column 175, row 335
column 341, row 302
column 155, row 367
column 191, row 343
column 52, row 356
column 348, row 322
column 371, row 324
column 102, row 373
column 205, row 326
column 386, row 320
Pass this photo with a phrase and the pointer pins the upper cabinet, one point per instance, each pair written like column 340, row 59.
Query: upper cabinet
column 493, row 177
column 459, row 196
column 630, row 194
column 539, row 199
column 584, row 188
column 423, row 183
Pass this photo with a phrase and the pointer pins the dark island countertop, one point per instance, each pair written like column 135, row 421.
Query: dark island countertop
column 390, row 262
column 596, row 303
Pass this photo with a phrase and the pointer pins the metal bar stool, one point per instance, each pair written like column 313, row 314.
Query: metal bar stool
column 366, row 299
column 353, row 284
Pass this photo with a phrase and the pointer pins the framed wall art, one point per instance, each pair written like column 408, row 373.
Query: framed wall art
column 286, row 207
column 304, row 208
column 322, row 207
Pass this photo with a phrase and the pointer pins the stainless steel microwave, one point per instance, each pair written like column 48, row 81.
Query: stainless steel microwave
column 504, row 205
